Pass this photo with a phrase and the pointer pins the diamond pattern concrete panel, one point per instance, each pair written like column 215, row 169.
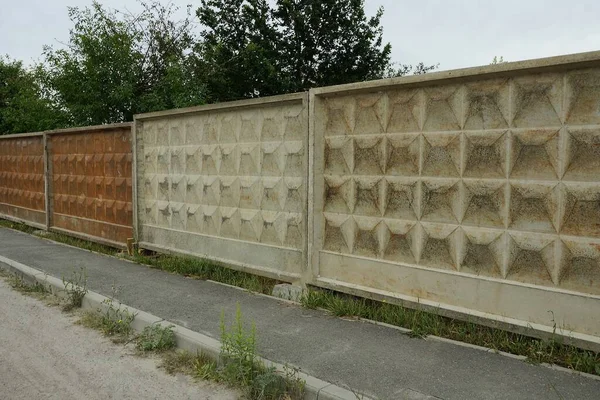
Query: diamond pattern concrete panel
column 234, row 174
column 493, row 178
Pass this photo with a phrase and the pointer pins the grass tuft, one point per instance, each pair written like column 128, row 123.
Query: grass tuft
column 76, row 289
column 19, row 284
column 36, row 290
column 114, row 322
column 156, row 338
column 182, row 362
column 312, row 300
column 240, row 366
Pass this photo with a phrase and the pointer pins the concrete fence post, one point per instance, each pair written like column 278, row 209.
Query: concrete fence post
column 47, row 181
column 135, row 128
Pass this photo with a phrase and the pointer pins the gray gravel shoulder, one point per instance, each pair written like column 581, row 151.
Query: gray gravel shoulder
column 43, row 355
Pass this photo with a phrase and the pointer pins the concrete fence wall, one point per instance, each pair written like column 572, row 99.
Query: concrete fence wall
column 476, row 191
column 472, row 192
column 76, row 181
column 227, row 182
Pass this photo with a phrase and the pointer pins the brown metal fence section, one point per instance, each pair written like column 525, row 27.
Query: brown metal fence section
column 91, row 183
column 22, row 179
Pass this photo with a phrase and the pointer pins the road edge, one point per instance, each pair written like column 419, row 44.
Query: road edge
column 315, row 388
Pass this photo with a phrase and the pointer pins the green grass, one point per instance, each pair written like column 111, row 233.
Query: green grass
column 82, row 244
column 17, row 226
column 156, row 338
column 207, row 270
column 183, row 362
column 20, row 285
column 240, row 366
column 114, row 322
column 35, row 290
column 76, row 289
column 423, row 324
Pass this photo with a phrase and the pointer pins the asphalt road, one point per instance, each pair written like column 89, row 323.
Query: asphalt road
column 43, row 355
column 373, row 359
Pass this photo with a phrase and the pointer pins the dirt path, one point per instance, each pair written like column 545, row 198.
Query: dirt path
column 44, row 356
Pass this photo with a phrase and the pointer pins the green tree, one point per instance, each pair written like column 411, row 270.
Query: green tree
column 118, row 64
column 258, row 47
column 397, row 70
column 23, row 106
column 238, row 55
column 330, row 42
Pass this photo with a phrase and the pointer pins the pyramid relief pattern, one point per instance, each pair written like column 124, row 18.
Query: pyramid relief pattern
column 22, row 172
column 231, row 174
column 91, row 179
column 497, row 178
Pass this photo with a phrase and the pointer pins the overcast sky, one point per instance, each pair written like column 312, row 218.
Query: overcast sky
column 453, row 33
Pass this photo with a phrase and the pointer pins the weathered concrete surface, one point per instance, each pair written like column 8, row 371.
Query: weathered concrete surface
column 476, row 189
column 473, row 191
column 227, row 182
column 288, row 292
column 367, row 357
column 44, row 355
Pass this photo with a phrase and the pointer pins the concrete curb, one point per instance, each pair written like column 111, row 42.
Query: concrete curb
column 398, row 328
column 315, row 389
